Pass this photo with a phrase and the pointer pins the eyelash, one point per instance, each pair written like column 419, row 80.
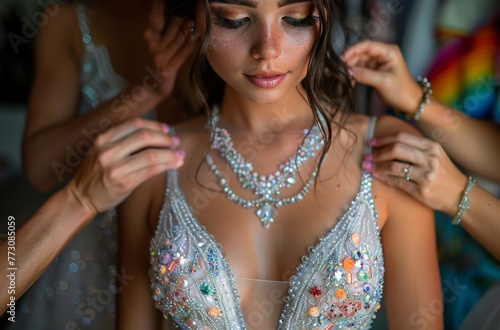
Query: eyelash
column 238, row 23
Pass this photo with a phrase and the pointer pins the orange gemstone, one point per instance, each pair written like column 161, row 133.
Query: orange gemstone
column 213, row 312
column 355, row 238
column 163, row 269
column 171, row 266
column 348, row 263
column 314, row 312
column 340, row 293
column 348, row 278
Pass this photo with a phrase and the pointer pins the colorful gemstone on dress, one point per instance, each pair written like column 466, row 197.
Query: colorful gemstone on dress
column 165, row 259
column 162, row 269
column 348, row 263
column 314, row 312
column 192, row 323
column 355, row 238
column 213, row 312
column 164, row 280
column 363, row 276
column 367, row 287
column 182, row 282
column 356, row 255
column 348, row 278
column 338, row 275
column 315, row 291
column 206, row 289
column 329, row 327
column 171, row 266
column 340, row 293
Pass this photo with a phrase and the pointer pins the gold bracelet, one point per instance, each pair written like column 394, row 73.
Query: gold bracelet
column 426, row 99
column 464, row 202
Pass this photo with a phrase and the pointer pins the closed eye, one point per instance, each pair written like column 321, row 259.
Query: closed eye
column 229, row 23
column 302, row 22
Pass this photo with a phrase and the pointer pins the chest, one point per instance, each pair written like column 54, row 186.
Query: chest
column 331, row 280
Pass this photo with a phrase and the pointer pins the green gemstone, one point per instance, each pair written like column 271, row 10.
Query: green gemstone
column 363, row 276
column 206, row 289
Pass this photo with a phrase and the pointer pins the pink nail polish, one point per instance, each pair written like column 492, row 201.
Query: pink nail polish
column 376, row 175
column 175, row 140
column 369, row 157
column 165, row 128
column 180, row 153
column 367, row 165
column 372, row 142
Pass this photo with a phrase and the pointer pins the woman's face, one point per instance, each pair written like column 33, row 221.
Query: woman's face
column 261, row 48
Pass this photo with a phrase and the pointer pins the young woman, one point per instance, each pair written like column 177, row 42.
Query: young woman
column 272, row 222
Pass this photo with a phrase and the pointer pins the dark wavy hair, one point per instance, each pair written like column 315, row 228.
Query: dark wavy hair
column 327, row 83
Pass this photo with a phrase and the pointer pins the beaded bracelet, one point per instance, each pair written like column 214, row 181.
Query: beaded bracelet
column 464, row 202
column 426, row 99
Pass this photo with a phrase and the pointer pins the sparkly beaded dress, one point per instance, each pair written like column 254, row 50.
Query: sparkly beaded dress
column 338, row 285
column 77, row 290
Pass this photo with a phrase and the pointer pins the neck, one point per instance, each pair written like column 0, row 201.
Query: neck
column 239, row 115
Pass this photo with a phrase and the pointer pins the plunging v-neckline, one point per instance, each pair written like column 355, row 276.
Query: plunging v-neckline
column 311, row 250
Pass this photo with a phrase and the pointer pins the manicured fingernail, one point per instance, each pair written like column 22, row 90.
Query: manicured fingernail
column 367, row 165
column 180, row 153
column 165, row 128
column 376, row 175
column 175, row 140
column 372, row 142
column 369, row 157
column 351, row 72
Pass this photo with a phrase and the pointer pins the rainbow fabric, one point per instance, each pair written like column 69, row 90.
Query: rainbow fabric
column 463, row 73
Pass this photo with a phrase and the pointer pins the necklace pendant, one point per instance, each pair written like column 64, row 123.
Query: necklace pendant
column 266, row 215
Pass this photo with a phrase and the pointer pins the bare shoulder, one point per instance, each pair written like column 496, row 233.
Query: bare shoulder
column 392, row 202
column 61, row 32
column 391, row 125
column 192, row 135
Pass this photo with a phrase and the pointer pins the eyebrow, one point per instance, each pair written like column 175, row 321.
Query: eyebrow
column 283, row 3
column 253, row 4
column 246, row 3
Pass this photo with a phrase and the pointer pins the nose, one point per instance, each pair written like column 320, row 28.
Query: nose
column 267, row 42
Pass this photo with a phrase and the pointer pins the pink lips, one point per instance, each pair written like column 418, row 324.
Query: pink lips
column 266, row 80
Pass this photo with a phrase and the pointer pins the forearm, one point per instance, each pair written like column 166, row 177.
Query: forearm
column 482, row 219
column 38, row 241
column 470, row 142
column 49, row 159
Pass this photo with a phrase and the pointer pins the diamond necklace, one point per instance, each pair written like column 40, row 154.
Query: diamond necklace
column 266, row 188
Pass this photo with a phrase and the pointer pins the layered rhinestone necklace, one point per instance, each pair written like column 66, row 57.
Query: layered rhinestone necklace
column 267, row 189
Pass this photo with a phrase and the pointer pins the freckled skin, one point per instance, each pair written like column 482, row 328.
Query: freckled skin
column 267, row 42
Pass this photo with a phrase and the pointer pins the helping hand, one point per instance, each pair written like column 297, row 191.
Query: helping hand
column 382, row 67
column 120, row 160
column 170, row 45
column 431, row 177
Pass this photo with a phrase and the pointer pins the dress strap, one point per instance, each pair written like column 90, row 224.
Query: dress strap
column 370, row 131
column 84, row 26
